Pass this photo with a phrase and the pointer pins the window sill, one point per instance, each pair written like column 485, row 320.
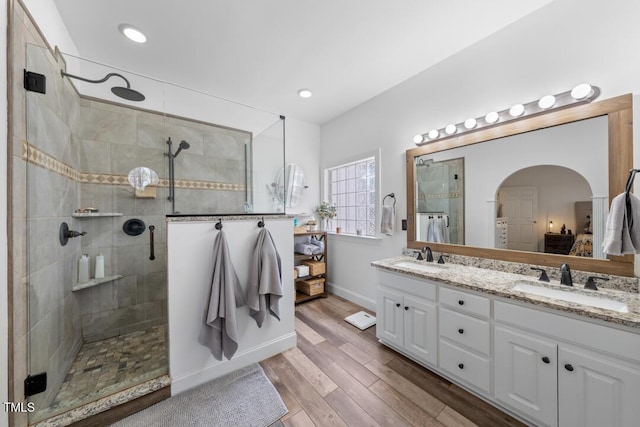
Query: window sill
column 354, row 237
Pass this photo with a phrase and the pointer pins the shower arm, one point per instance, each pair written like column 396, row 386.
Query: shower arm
column 107, row 77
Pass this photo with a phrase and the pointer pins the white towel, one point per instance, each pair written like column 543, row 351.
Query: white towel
column 264, row 289
column 388, row 220
column 219, row 331
column 618, row 238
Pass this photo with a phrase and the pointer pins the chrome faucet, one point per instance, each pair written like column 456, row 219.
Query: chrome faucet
column 429, row 254
column 565, row 275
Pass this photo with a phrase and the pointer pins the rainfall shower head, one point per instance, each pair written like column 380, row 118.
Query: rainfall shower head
column 122, row 92
column 184, row 145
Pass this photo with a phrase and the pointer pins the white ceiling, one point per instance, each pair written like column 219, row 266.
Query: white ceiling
column 260, row 53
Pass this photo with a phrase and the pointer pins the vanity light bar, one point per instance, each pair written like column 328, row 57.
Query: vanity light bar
column 580, row 94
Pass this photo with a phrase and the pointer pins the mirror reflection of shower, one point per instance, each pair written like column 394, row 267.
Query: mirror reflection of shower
column 184, row 145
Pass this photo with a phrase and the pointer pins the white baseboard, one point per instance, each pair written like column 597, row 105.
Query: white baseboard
column 347, row 294
column 239, row 360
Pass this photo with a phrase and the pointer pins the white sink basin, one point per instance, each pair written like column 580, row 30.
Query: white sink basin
column 578, row 298
column 427, row 268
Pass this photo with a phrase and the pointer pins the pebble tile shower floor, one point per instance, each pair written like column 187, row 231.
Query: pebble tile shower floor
column 111, row 365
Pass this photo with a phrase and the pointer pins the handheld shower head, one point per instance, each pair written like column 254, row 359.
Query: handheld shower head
column 184, row 145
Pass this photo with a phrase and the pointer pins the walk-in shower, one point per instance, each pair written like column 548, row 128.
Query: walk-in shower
column 108, row 336
column 184, row 145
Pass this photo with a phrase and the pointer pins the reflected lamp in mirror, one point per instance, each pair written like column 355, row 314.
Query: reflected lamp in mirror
column 143, row 180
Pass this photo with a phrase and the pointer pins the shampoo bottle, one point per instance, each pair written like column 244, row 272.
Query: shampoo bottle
column 83, row 269
column 99, row 266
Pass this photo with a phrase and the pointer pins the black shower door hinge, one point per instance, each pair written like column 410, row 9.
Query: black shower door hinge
column 35, row 82
column 35, row 384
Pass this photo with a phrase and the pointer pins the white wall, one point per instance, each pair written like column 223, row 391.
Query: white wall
column 190, row 251
column 46, row 14
column 549, row 51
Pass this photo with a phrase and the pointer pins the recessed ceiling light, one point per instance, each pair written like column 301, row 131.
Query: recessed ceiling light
column 305, row 93
column 132, row 33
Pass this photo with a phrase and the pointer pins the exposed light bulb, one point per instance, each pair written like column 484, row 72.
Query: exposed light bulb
column 433, row 134
column 491, row 117
column 581, row 91
column 451, row 129
column 470, row 123
column 418, row 139
column 517, row 110
column 547, row 101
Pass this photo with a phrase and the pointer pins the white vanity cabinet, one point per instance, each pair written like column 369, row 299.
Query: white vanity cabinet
column 563, row 371
column 526, row 375
column 407, row 316
column 548, row 368
column 465, row 337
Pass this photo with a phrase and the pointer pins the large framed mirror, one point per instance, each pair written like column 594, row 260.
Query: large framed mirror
column 589, row 146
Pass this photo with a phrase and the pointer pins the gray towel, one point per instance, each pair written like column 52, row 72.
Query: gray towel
column 264, row 289
column 388, row 220
column 618, row 238
column 219, row 331
column 308, row 249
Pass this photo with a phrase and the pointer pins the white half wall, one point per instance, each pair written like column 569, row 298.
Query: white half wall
column 549, row 51
column 190, row 252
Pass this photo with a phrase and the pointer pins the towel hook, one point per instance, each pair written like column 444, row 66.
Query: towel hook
column 219, row 224
column 261, row 223
column 393, row 196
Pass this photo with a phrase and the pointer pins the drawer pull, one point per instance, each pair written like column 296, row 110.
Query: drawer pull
column 461, row 302
column 546, row 359
column 568, row 367
column 398, row 304
column 461, row 365
column 461, row 331
column 406, row 308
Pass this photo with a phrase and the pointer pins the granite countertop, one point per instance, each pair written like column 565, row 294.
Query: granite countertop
column 501, row 284
column 226, row 217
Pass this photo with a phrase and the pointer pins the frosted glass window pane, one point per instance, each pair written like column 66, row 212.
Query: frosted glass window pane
column 362, row 198
column 340, row 173
column 361, row 212
column 342, row 186
column 351, row 171
column 361, row 169
column 351, row 199
column 362, row 184
column 351, row 185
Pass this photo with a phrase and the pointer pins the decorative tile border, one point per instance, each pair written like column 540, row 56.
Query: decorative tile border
column 38, row 157
column 453, row 195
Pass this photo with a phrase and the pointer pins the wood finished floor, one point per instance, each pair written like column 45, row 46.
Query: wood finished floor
column 341, row 376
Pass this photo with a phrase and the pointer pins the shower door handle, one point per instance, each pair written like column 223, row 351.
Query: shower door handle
column 151, row 230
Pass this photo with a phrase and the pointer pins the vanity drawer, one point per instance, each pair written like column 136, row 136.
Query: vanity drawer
column 465, row 302
column 465, row 365
column 469, row 331
column 419, row 287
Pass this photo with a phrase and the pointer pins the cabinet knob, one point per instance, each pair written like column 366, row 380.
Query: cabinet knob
column 568, row 367
column 406, row 308
column 461, row 302
column 397, row 304
column 461, row 331
column 461, row 365
column 546, row 360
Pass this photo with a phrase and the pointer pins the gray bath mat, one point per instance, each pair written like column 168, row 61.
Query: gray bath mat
column 244, row 397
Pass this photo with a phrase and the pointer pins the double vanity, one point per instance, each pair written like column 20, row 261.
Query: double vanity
column 550, row 354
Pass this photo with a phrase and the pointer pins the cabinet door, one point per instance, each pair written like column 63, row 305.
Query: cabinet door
column 526, row 375
column 595, row 390
column 390, row 313
column 420, row 329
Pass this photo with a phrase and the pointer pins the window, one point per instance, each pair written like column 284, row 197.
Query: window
column 352, row 188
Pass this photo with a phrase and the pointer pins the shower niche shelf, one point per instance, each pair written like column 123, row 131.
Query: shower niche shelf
column 95, row 214
column 95, row 282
